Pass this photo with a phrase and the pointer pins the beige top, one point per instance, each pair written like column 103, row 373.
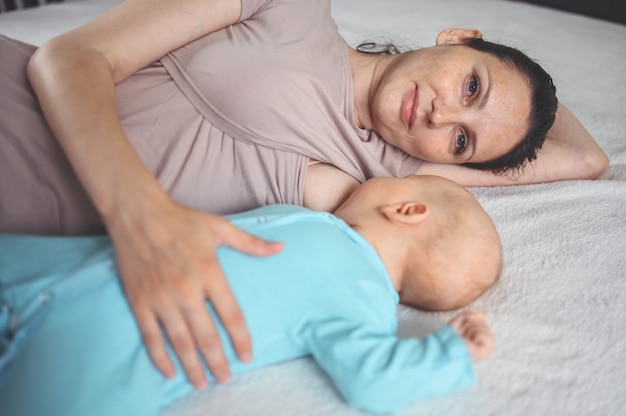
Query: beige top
column 229, row 122
column 264, row 102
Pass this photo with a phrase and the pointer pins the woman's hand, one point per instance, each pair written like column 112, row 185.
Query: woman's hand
column 169, row 268
column 473, row 328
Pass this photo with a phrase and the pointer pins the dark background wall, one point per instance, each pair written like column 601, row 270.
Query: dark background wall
column 9, row 5
column 603, row 9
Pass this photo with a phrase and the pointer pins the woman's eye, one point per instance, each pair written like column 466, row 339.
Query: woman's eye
column 461, row 142
column 473, row 86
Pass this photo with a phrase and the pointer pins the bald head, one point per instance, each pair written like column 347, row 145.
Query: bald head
column 457, row 256
column 440, row 247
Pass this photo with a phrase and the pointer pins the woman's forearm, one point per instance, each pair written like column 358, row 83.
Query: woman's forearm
column 569, row 137
column 74, row 75
column 76, row 91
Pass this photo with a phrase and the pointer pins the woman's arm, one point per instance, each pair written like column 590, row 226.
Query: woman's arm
column 166, row 253
column 569, row 152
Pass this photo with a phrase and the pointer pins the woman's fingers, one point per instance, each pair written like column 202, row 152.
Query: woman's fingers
column 169, row 273
column 157, row 311
column 230, row 314
column 153, row 339
column 240, row 240
column 220, row 294
column 205, row 334
column 183, row 344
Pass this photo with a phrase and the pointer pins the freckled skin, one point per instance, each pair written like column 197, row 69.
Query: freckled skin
column 444, row 76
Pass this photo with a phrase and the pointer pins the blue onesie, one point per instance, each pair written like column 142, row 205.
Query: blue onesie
column 70, row 344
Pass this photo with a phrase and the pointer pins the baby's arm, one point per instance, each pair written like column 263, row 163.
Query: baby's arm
column 376, row 371
column 472, row 327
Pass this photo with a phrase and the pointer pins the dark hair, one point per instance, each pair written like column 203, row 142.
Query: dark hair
column 386, row 48
column 543, row 106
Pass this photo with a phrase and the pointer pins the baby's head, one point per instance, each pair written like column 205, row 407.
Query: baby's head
column 457, row 255
column 439, row 245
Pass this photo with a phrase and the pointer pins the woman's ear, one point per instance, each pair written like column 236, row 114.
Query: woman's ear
column 457, row 36
column 405, row 213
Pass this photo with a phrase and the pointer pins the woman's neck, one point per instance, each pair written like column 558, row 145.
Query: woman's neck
column 367, row 70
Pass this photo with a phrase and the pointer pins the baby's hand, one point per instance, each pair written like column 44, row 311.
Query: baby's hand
column 473, row 328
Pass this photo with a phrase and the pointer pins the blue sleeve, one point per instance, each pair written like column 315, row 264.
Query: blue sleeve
column 382, row 373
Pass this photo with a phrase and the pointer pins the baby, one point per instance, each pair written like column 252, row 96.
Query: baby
column 70, row 340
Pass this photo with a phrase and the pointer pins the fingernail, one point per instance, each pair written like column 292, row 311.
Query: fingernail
column 169, row 373
column 222, row 378
column 200, row 384
column 246, row 357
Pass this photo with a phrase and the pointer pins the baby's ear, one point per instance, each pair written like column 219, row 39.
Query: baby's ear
column 405, row 213
column 457, row 36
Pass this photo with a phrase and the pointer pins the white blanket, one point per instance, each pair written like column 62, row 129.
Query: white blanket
column 558, row 312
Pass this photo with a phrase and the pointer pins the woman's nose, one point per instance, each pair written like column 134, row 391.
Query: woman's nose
column 442, row 114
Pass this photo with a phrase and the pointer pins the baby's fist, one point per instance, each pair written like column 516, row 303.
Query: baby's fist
column 473, row 328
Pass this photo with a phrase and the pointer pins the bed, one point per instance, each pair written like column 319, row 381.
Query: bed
column 559, row 310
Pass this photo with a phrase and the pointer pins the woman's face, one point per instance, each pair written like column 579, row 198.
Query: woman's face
column 450, row 104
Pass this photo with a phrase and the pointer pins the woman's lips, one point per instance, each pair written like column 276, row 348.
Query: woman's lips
column 408, row 108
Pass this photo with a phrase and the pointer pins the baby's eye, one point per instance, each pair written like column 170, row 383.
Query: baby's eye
column 460, row 143
column 473, row 86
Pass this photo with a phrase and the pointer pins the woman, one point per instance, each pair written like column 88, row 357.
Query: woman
column 290, row 112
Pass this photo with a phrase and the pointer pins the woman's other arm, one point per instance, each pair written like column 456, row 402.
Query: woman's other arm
column 166, row 253
column 568, row 153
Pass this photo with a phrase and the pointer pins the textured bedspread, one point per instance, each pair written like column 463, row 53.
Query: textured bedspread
column 559, row 310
